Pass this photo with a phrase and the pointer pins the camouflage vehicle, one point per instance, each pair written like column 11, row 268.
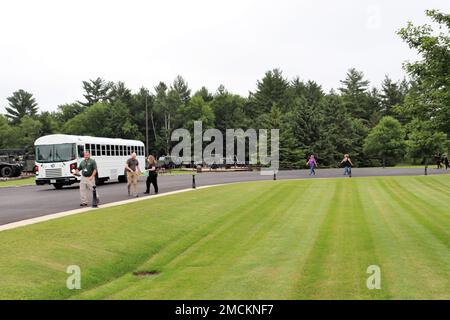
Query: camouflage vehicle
column 14, row 161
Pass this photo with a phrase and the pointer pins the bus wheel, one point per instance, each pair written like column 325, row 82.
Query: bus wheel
column 58, row 186
column 122, row 179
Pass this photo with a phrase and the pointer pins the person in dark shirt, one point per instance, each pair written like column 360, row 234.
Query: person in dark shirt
column 347, row 163
column 88, row 170
column 446, row 164
column 152, row 177
column 437, row 159
column 133, row 171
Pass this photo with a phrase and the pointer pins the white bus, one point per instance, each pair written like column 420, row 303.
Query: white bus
column 58, row 154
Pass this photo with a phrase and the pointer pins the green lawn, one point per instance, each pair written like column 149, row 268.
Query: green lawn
column 412, row 166
column 175, row 172
column 18, row 182
column 298, row 239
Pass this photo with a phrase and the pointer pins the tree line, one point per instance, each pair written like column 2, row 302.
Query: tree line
column 399, row 121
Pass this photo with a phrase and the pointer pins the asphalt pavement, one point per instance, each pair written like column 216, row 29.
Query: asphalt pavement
column 20, row 203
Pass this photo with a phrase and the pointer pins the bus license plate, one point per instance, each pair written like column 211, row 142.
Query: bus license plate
column 53, row 181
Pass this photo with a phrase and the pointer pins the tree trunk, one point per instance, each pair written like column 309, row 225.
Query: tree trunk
column 153, row 125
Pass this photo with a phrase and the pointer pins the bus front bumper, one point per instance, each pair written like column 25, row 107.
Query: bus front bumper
column 63, row 181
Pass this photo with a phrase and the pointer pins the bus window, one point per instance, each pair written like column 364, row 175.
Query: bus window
column 129, row 150
column 103, row 150
column 99, row 152
column 117, row 150
column 44, row 153
column 108, row 150
column 120, row 150
column 64, row 152
column 87, row 147
column 141, row 150
column 81, row 151
column 112, row 150
column 93, row 150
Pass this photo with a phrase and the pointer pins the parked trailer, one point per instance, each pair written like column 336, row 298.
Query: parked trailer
column 58, row 154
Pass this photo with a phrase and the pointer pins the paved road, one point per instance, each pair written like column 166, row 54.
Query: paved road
column 19, row 203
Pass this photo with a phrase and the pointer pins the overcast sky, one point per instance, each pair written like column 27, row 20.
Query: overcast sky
column 48, row 47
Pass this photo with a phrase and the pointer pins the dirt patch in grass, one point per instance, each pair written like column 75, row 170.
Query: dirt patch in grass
column 146, row 273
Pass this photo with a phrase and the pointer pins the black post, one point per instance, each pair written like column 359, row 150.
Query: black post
column 193, row 181
column 426, row 170
column 274, row 175
column 94, row 197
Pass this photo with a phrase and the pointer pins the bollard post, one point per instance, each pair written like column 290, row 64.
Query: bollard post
column 193, row 181
column 426, row 170
column 94, row 196
column 274, row 175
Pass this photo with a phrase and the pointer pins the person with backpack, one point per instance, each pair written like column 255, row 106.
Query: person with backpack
column 347, row 163
column 312, row 163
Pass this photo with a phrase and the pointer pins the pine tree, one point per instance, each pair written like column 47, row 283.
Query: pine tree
column 355, row 94
column 21, row 104
column 182, row 89
column 96, row 91
column 271, row 91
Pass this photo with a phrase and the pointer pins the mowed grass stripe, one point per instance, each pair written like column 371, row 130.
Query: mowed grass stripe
column 263, row 254
column 393, row 240
column 213, row 252
column 434, row 191
column 425, row 213
column 417, row 264
column 441, row 185
column 333, row 269
column 176, row 251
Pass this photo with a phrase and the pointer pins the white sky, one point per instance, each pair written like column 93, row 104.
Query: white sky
column 48, row 47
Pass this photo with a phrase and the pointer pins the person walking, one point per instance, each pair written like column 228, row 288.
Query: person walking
column 347, row 163
column 133, row 171
column 445, row 161
column 437, row 159
column 88, row 169
column 152, row 177
column 312, row 163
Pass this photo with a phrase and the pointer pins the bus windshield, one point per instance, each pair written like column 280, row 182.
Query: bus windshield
column 55, row 152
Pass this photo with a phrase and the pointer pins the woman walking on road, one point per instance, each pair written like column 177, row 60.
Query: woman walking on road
column 312, row 163
column 347, row 163
column 152, row 174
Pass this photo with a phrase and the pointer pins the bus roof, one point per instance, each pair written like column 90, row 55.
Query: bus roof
column 65, row 138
